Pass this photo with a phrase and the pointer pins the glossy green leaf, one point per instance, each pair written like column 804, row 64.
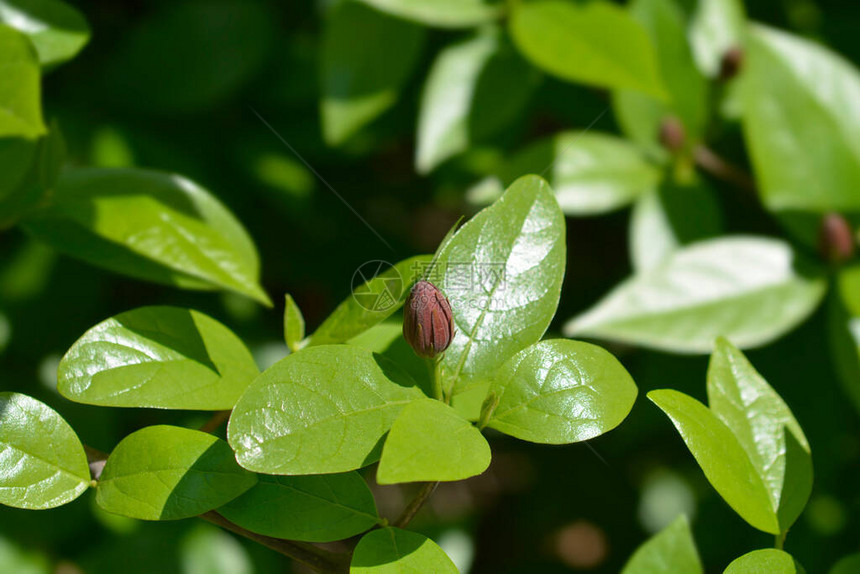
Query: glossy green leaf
column 590, row 173
column 294, row 324
column 372, row 300
column 721, row 456
column 716, row 26
column 316, row 508
column 844, row 330
column 594, row 43
column 669, row 218
column 42, row 462
column 745, row 288
column 20, row 86
column 362, row 74
column 387, row 339
column 150, row 225
column 322, row 410
column 206, row 549
column 560, row 391
column 442, row 13
column 430, row 441
column 158, row 357
column 474, row 89
column 396, row 551
column 670, row 551
column 167, row 473
column 763, row 424
column 502, row 273
column 57, row 31
column 767, row 561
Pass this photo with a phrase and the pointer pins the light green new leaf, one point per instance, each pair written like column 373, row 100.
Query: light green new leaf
column 57, row 31
column 595, row 43
column 396, row 551
column 716, row 26
column 745, row 288
column 150, row 225
column 767, row 561
column 670, row 551
column 367, row 57
column 42, row 462
column 431, row 441
column 294, row 324
column 322, row 410
column 474, row 89
column 721, row 456
column 442, row 13
column 502, row 273
column 590, row 173
column 559, row 392
column 167, row 473
column 763, row 424
column 158, row 357
column 315, row 508
column 372, row 300
column 20, row 86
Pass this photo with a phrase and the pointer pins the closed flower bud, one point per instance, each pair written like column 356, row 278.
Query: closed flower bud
column 731, row 63
column 428, row 324
column 672, row 134
column 835, row 239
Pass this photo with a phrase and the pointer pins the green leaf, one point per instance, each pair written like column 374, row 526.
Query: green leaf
column 20, row 86
column 502, row 273
column 745, row 288
column 591, row 173
column 767, row 561
column 396, row 551
column 367, row 57
column 844, row 330
column 158, row 357
column 474, row 89
column 442, row 13
column 763, row 424
column 44, row 465
column 670, row 551
column 559, row 392
column 716, row 26
column 317, row 508
column 57, row 31
column 207, row 549
column 669, row 218
column 20, row 561
column 371, row 301
column 848, row 565
column 597, row 43
column 721, row 456
column 167, row 473
column 322, row 410
column 429, row 442
column 294, row 324
column 150, row 225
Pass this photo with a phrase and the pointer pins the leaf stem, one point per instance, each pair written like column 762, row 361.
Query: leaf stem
column 780, row 540
column 434, row 366
column 216, row 421
column 413, row 507
column 708, row 160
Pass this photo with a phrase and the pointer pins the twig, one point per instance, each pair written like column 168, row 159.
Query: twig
column 413, row 507
column 96, row 460
column 216, row 421
column 712, row 163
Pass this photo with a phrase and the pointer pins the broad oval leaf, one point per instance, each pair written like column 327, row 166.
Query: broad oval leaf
column 559, row 392
column 294, row 324
column 745, row 288
column 766, row 561
column 716, row 26
column 361, row 74
column 430, row 441
column 167, row 473
column 322, row 410
column 42, row 461
column 316, row 508
column 595, row 43
column 150, row 225
column 442, row 13
column 396, row 551
column 20, row 86
column 57, row 31
column 670, row 551
column 590, row 173
column 158, row 357
column 502, row 273
column 721, row 457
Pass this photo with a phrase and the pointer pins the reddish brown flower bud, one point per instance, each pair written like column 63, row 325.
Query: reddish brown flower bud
column 835, row 238
column 428, row 324
column 731, row 63
column 672, row 134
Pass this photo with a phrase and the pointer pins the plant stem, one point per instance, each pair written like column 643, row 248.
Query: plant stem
column 709, row 161
column 434, row 366
column 216, row 421
column 413, row 507
column 779, row 541
column 308, row 554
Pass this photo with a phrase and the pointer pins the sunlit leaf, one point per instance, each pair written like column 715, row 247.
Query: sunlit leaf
column 57, row 31
column 670, row 551
column 396, row 551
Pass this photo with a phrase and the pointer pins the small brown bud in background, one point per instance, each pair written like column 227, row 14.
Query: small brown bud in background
column 835, row 238
column 731, row 63
column 672, row 134
column 428, row 324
